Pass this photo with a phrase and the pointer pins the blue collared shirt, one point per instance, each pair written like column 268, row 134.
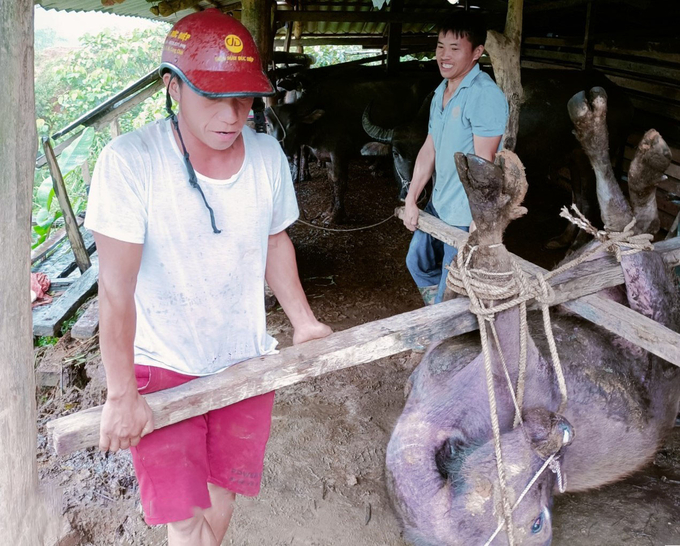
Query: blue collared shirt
column 478, row 107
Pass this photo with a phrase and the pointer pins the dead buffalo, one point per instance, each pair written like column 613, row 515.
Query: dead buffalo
column 622, row 401
column 327, row 118
column 545, row 141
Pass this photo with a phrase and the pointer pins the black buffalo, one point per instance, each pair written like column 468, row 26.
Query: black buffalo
column 327, row 119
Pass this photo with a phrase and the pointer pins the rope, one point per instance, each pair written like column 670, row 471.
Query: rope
column 612, row 241
column 346, row 230
column 554, row 465
column 514, row 288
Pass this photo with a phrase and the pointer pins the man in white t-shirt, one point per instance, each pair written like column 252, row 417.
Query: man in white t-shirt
column 189, row 215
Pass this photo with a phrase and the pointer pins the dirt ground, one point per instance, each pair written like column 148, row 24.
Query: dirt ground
column 323, row 482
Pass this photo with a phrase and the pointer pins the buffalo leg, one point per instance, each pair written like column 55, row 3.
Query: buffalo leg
column 295, row 167
column 495, row 192
column 337, row 171
column 304, row 164
column 588, row 115
column 652, row 158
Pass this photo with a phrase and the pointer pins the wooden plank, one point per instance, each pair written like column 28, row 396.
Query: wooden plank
column 39, row 252
column 48, row 319
column 340, row 350
column 62, row 262
column 555, row 56
column 658, row 90
column 645, row 53
column 70, row 223
column 358, row 345
column 127, row 105
column 88, row 323
column 573, row 42
column 540, row 65
column 42, row 160
column 625, row 322
column 658, row 108
column 638, row 68
column 357, row 17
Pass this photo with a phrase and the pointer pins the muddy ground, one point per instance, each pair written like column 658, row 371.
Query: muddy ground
column 323, row 482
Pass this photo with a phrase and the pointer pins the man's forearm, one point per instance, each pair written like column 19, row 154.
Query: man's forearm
column 422, row 171
column 282, row 277
column 117, row 320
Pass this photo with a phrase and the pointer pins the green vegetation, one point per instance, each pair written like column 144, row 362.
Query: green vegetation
column 70, row 83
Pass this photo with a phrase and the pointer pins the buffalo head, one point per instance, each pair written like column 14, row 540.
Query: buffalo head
column 291, row 124
column 403, row 142
column 467, row 508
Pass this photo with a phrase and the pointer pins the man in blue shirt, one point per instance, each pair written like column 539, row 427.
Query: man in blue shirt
column 468, row 114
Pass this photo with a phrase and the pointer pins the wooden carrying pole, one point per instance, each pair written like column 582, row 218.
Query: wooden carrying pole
column 358, row 345
column 24, row 519
column 70, row 222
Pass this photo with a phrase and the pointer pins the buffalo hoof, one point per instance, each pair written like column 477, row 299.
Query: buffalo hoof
column 654, row 154
column 332, row 216
column 589, row 116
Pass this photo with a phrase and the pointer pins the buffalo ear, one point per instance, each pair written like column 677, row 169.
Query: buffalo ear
column 312, row 117
column 450, row 456
column 376, row 149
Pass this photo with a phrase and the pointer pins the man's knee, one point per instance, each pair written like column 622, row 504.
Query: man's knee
column 195, row 530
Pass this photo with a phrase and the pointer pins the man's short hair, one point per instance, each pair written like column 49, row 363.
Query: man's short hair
column 468, row 24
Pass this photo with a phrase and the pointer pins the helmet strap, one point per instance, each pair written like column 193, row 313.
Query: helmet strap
column 193, row 179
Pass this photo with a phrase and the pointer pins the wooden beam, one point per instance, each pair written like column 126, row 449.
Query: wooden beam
column 24, row 516
column 70, row 223
column 256, row 16
column 47, row 320
column 358, row 17
column 62, row 262
column 394, row 38
column 42, row 161
column 88, row 323
column 125, row 106
column 589, row 37
column 351, row 347
column 616, row 318
column 39, row 252
column 358, row 345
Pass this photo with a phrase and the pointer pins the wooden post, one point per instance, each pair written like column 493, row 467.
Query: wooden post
column 24, row 518
column 589, row 40
column 394, row 40
column 72, row 231
column 297, row 35
column 114, row 127
column 289, row 35
column 256, row 16
column 504, row 51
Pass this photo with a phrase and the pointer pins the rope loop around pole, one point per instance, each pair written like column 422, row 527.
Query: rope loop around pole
column 621, row 243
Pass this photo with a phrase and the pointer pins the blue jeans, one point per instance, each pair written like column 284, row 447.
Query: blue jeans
column 428, row 257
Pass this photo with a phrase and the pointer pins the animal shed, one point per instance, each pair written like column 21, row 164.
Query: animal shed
column 643, row 56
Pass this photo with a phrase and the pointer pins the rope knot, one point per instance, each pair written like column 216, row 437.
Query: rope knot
column 621, row 243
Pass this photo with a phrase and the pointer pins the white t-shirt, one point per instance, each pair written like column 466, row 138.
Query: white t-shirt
column 200, row 295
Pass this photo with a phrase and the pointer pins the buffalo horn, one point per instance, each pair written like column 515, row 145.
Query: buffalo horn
column 375, row 132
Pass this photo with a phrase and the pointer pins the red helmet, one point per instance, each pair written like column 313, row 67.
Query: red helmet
column 215, row 55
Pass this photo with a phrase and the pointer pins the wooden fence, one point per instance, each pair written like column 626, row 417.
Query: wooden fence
column 649, row 73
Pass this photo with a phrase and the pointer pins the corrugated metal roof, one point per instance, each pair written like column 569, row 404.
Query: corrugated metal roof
column 140, row 8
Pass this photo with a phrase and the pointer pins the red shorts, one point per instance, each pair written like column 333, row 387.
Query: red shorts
column 224, row 447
